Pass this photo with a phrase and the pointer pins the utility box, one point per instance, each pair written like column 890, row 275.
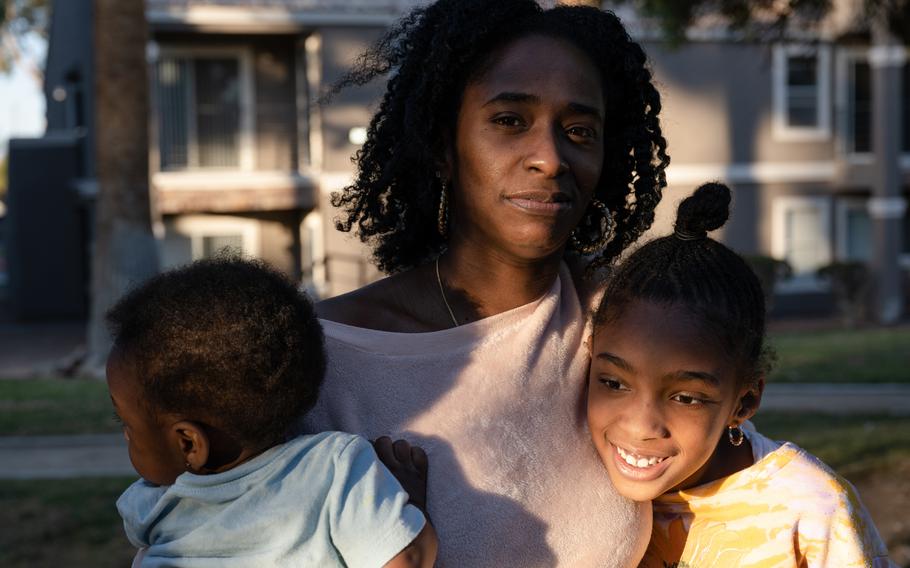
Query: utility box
column 46, row 230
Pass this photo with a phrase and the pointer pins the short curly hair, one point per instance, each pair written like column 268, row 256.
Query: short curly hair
column 228, row 340
column 432, row 54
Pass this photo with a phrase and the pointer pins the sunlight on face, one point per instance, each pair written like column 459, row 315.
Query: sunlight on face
column 660, row 395
column 528, row 148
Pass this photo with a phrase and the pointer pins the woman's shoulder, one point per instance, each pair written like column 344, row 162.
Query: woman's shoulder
column 394, row 303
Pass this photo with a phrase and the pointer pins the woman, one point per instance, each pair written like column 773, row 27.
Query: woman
column 508, row 138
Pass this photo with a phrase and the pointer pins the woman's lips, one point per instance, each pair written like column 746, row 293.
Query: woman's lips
column 540, row 202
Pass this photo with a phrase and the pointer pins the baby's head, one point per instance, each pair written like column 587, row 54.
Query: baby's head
column 678, row 356
column 211, row 365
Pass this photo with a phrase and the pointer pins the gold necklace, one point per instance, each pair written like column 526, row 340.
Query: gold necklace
column 442, row 292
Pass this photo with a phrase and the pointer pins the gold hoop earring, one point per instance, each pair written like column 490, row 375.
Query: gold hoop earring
column 606, row 230
column 442, row 219
column 735, row 435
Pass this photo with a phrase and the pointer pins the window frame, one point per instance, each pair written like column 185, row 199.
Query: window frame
column 779, row 208
column 197, row 227
column 246, row 158
column 782, row 130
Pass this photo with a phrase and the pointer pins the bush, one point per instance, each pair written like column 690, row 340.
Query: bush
column 850, row 284
column 769, row 271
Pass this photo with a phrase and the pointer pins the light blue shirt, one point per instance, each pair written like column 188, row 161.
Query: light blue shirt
column 323, row 500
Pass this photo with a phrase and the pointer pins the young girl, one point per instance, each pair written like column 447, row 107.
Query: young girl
column 678, row 366
column 211, row 365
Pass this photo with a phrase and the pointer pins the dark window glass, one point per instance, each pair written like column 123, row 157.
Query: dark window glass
column 198, row 112
column 802, row 90
column 861, row 107
column 173, row 128
column 217, row 112
column 905, row 111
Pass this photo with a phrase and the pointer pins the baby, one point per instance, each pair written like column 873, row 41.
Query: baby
column 211, row 365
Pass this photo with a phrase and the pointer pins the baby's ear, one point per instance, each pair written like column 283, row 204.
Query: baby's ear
column 193, row 443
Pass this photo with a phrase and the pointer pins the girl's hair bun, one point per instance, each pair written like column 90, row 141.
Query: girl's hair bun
column 705, row 210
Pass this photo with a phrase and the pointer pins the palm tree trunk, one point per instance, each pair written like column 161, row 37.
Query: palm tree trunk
column 124, row 250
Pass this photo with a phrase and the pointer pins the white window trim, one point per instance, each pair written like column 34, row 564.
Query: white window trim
column 781, row 130
column 196, row 227
column 244, row 55
column 842, row 206
column 779, row 208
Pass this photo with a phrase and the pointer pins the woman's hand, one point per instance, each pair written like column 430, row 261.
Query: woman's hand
column 409, row 465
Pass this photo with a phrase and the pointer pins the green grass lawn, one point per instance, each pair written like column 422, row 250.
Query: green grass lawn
column 852, row 445
column 62, row 523
column 857, row 356
column 55, row 406
column 75, row 523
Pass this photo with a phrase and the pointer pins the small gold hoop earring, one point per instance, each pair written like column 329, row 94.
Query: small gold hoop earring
column 735, row 435
column 606, row 230
column 442, row 219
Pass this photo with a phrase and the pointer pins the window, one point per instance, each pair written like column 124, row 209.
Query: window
column 854, row 230
column 204, row 102
column 801, row 235
column 905, row 110
column 192, row 237
column 802, row 105
column 859, row 106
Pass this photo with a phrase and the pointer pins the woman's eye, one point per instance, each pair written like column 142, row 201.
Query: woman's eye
column 581, row 132
column 508, row 120
column 117, row 419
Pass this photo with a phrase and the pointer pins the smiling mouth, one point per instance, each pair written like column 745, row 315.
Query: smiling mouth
column 637, row 460
column 637, row 466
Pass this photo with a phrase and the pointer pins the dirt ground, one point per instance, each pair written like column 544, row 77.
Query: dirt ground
column 887, row 496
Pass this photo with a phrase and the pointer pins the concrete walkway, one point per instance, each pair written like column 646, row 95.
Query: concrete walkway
column 846, row 398
column 102, row 455
column 61, row 457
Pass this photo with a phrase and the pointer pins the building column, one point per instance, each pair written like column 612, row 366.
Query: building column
column 887, row 204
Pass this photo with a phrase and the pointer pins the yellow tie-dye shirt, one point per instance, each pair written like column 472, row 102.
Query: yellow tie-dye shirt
column 788, row 509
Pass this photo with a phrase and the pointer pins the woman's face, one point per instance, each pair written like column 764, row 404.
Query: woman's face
column 528, row 148
column 660, row 396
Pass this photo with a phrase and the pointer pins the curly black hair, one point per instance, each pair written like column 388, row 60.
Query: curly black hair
column 431, row 55
column 229, row 341
column 709, row 280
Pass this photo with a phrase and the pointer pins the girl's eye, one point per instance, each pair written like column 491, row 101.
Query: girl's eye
column 612, row 384
column 117, row 419
column 689, row 400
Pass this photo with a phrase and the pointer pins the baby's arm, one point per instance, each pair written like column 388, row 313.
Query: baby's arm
column 421, row 553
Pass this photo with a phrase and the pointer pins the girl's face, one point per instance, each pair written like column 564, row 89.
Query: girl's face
column 528, row 148
column 660, row 397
